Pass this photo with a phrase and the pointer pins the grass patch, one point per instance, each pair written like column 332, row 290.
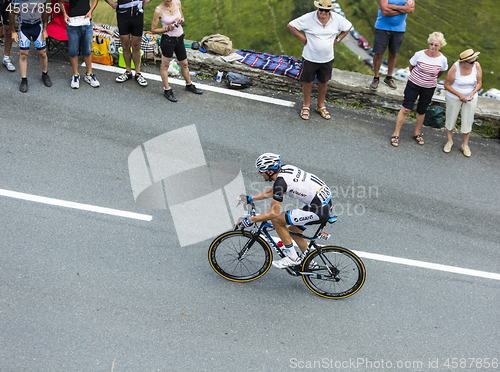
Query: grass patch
column 261, row 25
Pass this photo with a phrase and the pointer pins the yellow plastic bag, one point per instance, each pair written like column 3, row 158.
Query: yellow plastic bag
column 100, row 51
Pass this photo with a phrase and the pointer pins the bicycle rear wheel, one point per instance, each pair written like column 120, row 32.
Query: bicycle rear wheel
column 335, row 273
column 238, row 256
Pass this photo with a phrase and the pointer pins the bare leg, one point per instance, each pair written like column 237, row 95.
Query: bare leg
column 74, row 64
column 402, row 115
column 88, row 63
column 419, row 123
column 306, row 93
column 185, row 71
column 127, row 55
column 322, row 88
column 466, row 139
column 23, row 62
column 391, row 63
column 7, row 40
column 377, row 62
column 165, row 63
column 136, row 53
column 43, row 59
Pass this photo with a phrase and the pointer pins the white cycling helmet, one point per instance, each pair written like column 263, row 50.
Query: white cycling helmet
column 268, row 161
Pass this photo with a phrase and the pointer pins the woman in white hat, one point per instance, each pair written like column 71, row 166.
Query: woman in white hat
column 462, row 83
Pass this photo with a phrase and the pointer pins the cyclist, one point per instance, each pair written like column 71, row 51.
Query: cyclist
column 298, row 184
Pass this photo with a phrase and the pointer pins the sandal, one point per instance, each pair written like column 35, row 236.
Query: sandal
column 304, row 113
column 419, row 139
column 323, row 112
column 395, row 141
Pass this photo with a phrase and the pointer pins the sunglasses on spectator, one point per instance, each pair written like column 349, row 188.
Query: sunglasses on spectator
column 324, row 10
column 434, row 44
column 471, row 62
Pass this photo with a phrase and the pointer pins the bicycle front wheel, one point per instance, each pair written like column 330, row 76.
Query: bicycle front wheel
column 334, row 272
column 240, row 257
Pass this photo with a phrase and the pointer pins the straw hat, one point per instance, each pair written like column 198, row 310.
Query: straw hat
column 324, row 4
column 468, row 54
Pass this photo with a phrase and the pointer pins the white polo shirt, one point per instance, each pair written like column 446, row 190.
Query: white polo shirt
column 320, row 39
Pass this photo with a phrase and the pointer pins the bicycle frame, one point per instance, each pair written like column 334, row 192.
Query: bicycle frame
column 262, row 230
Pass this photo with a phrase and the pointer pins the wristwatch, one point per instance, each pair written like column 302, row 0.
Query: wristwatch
column 338, row 40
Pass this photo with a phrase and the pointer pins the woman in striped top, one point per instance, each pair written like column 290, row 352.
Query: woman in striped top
column 426, row 66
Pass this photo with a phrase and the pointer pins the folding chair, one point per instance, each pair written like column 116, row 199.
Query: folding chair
column 57, row 39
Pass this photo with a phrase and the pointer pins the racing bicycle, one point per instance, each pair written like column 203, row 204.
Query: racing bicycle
column 329, row 271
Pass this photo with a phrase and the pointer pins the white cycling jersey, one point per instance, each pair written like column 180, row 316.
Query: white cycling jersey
column 301, row 185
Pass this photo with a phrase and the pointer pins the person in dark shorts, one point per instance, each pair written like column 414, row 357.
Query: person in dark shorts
column 426, row 66
column 389, row 32
column 130, row 20
column 33, row 22
column 7, row 34
column 322, row 31
column 169, row 12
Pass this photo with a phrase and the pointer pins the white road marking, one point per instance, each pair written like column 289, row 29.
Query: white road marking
column 144, row 217
column 428, row 265
column 422, row 264
column 230, row 92
column 68, row 204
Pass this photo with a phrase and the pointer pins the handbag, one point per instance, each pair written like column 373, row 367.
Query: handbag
column 434, row 117
column 237, row 81
column 100, row 51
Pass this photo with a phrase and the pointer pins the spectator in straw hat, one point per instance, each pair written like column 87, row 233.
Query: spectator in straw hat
column 462, row 84
column 322, row 30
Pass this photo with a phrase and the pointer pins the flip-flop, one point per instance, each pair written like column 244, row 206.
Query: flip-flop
column 304, row 113
column 395, row 141
column 323, row 112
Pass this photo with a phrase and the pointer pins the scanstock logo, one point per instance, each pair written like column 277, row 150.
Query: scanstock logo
column 171, row 170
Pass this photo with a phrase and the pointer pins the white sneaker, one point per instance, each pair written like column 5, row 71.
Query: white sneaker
column 285, row 262
column 75, row 81
column 92, row 80
column 10, row 66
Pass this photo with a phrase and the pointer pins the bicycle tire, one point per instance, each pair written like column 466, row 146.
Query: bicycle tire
column 224, row 256
column 348, row 276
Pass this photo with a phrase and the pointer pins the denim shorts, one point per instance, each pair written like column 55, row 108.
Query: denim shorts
column 80, row 35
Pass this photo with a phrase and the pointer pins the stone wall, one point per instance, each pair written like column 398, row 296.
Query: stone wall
column 345, row 86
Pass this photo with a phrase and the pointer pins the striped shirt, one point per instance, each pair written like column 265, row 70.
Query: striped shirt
column 426, row 69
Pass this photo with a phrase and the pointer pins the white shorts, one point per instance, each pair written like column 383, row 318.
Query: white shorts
column 466, row 109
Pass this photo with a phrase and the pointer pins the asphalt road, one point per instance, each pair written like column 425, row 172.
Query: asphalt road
column 87, row 291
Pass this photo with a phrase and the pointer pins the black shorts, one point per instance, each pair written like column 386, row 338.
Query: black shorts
column 130, row 24
column 412, row 91
column 384, row 38
column 309, row 215
column 4, row 14
column 310, row 70
column 171, row 44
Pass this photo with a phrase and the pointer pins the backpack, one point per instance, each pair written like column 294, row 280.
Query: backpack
column 218, row 44
column 237, row 81
column 434, row 117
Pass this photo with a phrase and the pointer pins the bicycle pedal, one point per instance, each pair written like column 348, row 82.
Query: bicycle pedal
column 293, row 270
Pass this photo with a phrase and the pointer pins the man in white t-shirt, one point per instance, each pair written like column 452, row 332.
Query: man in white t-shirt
column 322, row 31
